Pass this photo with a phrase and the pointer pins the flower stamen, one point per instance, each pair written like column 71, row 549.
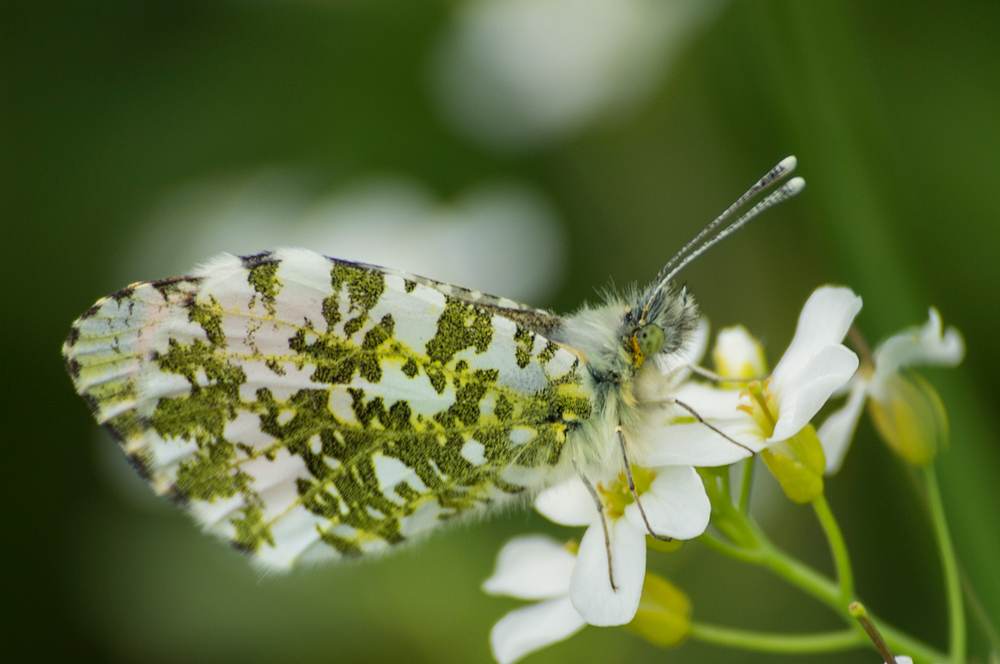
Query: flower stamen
column 760, row 408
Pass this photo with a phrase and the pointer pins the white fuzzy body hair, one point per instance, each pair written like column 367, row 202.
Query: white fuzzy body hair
column 624, row 391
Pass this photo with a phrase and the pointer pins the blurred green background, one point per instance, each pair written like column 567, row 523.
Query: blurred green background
column 893, row 110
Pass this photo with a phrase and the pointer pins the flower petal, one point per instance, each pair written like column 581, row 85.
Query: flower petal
column 709, row 402
column 676, row 504
column 824, row 321
column 531, row 567
column 568, row 503
column 917, row 345
column 838, row 428
column 525, row 630
column 590, row 588
column 805, row 391
column 695, row 444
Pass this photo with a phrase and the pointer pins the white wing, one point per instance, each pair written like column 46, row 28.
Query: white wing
column 308, row 408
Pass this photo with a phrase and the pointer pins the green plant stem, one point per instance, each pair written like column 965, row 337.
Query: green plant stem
column 838, row 549
column 764, row 553
column 726, row 549
column 953, row 586
column 804, row 577
column 979, row 611
column 746, row 486
column 801, row 644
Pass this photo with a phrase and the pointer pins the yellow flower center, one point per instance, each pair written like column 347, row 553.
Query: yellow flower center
column 615, row 494
column 762, row 407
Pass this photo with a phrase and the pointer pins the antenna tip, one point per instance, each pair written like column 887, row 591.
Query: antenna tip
column 788, row 164
column 794, row 186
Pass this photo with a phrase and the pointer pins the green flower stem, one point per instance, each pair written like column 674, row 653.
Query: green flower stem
column 762, row 552
column 979, row 611
column 724, row 478
column 801, row 644
column 746, row 487
column 953, row 586
column 746, row 555
column 829, row 593
column 803, row 577
column 838, row 548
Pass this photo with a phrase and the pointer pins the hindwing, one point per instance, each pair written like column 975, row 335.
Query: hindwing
column 309, row 408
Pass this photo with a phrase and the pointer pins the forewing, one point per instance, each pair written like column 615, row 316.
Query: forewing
column 536, row 320
column 307, row 408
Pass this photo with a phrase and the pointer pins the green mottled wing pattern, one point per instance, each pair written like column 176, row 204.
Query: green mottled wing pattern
column 307, row 408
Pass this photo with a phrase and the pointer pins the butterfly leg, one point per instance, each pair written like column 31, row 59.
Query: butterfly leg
column 714, row 377
column 631, row 488
column 604, row 524
column 700, row 420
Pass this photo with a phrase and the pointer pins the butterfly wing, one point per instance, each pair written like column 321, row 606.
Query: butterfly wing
column 308, row 408
column 536, row 320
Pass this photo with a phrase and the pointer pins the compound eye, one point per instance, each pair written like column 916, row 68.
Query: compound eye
column 649, row 339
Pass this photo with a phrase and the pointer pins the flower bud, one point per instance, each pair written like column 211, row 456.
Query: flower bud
column 661, row 546
column 737, row 354
column 798, row 464
column 909, row 416
column 664, row 615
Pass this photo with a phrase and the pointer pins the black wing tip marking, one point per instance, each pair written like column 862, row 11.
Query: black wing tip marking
column 177, row 497
column 72, row 364
column 141, row 467
column 256, row 260
column 71, row 339
column 242, row 547
column 92, row 311
column 165, row 286
column 95, row 409
column 125, row 293
column 73, row 368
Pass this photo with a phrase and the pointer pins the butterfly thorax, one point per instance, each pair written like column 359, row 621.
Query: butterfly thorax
column 626, row 385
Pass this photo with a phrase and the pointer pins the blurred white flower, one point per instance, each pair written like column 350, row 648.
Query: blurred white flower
column 533, row 567
column 514, row 74
column 906, row 410
column 502, row 238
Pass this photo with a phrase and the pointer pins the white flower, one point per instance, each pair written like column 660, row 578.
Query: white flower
column 815, row 366
column 676, row 505
column 885, row 386
column 533, row 567
column 673, row 497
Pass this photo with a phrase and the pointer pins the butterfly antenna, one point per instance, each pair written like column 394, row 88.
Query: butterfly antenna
column 698, row 245
column 788, row 190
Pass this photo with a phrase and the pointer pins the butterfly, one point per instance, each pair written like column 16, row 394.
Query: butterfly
column 307, row 408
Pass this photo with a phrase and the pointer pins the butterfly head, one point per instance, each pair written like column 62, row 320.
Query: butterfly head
column 659, row 321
